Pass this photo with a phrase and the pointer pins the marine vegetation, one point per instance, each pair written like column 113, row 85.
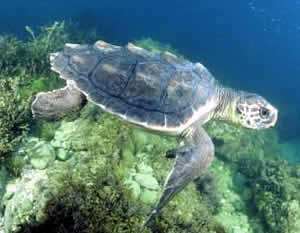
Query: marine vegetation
column 9, row 54
column 14, row 115
column 235, row 143
column 160, row 93
column 22, row 65
column 156, row 46
column 115, row 195
column 97, row 201
column 275, row 193
column 36, row 50
column 31, row 56
column 24, row 71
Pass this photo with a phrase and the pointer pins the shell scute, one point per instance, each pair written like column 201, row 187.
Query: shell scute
column 155, row 90
column 156, row 119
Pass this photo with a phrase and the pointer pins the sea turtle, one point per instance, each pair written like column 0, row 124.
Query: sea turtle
column 155, row 91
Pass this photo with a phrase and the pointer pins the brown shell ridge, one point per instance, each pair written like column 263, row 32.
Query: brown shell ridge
column 149, row 89
column 131, row 77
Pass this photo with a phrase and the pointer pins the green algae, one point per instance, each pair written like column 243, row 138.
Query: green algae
column 228, row 199
column 92, row 204
column 23, row 66
column 45, row 130
column 89, row 194
column 275, row 192
column 14, row 115
column 25, row 71
column 234, row 142
column 156, row 46
column 263, row 182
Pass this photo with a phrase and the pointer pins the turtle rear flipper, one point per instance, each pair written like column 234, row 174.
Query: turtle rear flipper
column 192, row 160
column 56, row 104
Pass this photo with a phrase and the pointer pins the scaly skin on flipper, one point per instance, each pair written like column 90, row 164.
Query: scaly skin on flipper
column 158, row 92
column 192, row 160
column 56, row 104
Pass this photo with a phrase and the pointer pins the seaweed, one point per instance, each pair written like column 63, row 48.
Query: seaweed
column 100, row 203
column 31, row 55
column 9, row 54
column 206, row 186
column 24, row 71
column 274, row 192
column 37, row 49
column 156, row 46
column 22, row 65
column 14, row 115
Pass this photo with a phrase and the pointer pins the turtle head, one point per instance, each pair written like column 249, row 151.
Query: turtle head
column 254, row 112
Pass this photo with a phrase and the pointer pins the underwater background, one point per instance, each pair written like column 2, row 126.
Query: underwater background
column 82, row 166
column 251, row 45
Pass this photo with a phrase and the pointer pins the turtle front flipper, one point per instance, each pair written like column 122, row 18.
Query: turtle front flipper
column 56, row 104
column 192, row 160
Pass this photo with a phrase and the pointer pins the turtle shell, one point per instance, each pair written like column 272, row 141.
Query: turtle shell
column 158, row 91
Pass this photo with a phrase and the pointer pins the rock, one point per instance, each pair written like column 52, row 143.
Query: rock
column 3, row 180
column 140, row 139
column 63, row 155
column 147, row 181
column 41, row 155
column 27, row 200
column 144, row 168
column 10, row 191
column 148, row 196
column 64, row 134
column 69, row 135
column 134, row 186
column 294, row 216
column 127, row 155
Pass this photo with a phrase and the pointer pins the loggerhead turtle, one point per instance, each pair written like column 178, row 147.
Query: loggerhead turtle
column 159, row 92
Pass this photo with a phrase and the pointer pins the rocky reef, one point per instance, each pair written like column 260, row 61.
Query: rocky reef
column 89, row 172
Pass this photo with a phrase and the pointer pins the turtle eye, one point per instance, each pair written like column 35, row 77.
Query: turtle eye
column 264, row 113
column 238, row 111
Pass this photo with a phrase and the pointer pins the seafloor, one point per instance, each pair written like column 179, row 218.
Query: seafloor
column 89, row 172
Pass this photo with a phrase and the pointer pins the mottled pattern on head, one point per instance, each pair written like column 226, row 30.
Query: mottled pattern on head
column 255, row 112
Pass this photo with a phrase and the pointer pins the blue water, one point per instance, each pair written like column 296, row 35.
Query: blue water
column 252, row 45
